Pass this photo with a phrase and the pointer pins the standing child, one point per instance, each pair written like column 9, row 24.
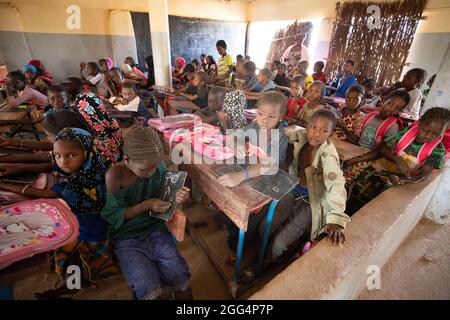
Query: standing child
column 18, row 92
column 296, row 102
column 198, row 92
column 318, row 74
column 313, row 97
column 351, row 120
column 215, row 102
column 147, row 254
column 411, row 83
column 225, row 64
column 84, row 190
column 412, row 152
column 377, row 126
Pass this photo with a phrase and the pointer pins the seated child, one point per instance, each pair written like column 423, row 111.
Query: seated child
column 377, row 126
column 131, row 102
column 198, row 92
column 299, row 216
column 232, row 115
column 274, row 68
column 318, row 74
column 18, row 92
column 216, row 97
column 281, row 79
column 178, row 70
column 412, row 152
column 264, row 79
column 84, row 190
column 371, row 98
column 296, row 102
column 344, row 80
column 196, row 65
column 34, row 80
column 42, row 72
column 267, row 133
column 271, row 108
column 411, row 83
column 57, row 97
column 351, row 120
column 301, row 70
column 147, row 253
column 188, row 76
column 251, row 79
column 103, row 64
column 313, row 97
column 93, row 71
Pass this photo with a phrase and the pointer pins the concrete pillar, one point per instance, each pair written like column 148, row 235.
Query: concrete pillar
column 439, row 95
column 122, row 36
column 159, row 29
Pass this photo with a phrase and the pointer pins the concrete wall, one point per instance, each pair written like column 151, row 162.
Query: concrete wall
column 38, row 29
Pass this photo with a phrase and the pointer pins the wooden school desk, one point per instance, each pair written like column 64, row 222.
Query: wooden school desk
column 236, row 203
column 11, row 116
column 347, row 150
column 185, row 104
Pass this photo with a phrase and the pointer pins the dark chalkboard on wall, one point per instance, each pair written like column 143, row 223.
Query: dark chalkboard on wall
column 141, row 26
column 190, row 37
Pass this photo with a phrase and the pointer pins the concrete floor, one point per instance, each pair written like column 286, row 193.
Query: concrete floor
column 417, row 270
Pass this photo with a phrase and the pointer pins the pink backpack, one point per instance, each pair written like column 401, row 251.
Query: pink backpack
column 31, row 227
column 184, row 120
column 384, row 127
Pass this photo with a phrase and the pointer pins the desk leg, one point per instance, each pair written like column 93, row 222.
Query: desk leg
column 266, row 234
column 240, row 250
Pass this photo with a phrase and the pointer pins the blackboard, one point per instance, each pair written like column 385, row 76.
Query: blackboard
column 190, row 37
column 141, row 26
column 171, row 183
column 274, row 186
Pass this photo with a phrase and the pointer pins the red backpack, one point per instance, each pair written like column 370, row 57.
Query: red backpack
column 384, row 127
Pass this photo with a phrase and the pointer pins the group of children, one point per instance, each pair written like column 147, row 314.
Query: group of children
column 111, row 181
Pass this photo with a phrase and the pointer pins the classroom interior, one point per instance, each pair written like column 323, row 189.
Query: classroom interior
column 386, row 232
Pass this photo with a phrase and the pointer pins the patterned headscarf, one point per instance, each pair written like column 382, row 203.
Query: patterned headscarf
column 234, row 105
column 105, row 129
column 85, row 190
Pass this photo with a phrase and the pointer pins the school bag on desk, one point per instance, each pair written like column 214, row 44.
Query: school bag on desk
column 34, row 226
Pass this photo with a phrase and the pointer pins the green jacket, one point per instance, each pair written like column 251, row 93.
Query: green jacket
column 325, row 182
